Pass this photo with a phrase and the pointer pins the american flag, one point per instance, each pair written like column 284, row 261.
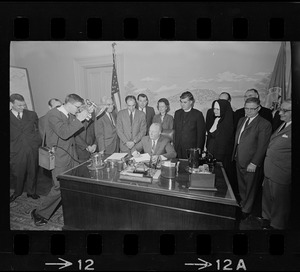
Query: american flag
column 277, row 89
column 115, row 91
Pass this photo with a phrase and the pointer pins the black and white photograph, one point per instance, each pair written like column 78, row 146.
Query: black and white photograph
column 151, row 135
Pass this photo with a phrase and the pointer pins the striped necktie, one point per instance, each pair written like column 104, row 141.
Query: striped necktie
column 112, row 119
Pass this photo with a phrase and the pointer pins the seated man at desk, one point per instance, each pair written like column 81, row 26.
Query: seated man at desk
column 155, row 144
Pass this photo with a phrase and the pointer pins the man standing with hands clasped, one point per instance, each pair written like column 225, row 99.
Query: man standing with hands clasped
column 131, row 125
column 189, row 126
column 105, row 129
column 251, row 141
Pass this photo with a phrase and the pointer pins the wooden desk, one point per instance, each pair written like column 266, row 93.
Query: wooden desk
column 98, row 200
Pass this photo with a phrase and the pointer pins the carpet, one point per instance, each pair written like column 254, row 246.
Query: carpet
column 20, row 209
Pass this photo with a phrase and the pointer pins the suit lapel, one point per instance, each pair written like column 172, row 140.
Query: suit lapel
column 13, row 117
column 238, row 132
column 254, row 121
column 282, row 132
column 107, row 120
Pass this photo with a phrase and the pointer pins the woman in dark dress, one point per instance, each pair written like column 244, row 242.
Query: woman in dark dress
column 220, row 133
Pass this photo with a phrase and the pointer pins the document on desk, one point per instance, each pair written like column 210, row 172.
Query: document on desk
column 116, row 156
column 142, row 158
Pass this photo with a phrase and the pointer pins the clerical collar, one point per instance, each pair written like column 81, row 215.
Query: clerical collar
column 187, row 110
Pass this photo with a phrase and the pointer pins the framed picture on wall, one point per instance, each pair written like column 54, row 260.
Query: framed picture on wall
column 19, row 83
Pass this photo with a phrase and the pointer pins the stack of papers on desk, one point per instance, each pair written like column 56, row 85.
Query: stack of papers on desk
column 116, row 156
column 142, row 158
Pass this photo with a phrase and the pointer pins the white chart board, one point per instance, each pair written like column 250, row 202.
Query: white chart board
column 19, row 83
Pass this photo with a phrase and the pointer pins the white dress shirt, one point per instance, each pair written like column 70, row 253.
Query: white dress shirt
column 63, row 110
column 143, row 110
column 16, row 113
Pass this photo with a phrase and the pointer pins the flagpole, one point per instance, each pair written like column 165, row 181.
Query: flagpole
column 115, row 91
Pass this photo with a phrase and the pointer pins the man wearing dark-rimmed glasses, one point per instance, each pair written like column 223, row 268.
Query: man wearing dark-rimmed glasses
column 263, row 112
column 251, row 141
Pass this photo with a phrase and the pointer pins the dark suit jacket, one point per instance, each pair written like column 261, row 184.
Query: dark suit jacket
column 24, row 134
column 253, row 142
column 163, row 147
column 167, row 121
column 60, row 131
column 276, row 121
column 84, row 138
column 106, row 134
column 126, row 132
column 42, row 121
column 263, row 112
column 278, row 161
column 189, row 132
column 149, row 116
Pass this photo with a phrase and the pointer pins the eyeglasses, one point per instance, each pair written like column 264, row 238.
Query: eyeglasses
column 284, row 110
column 251, row 109
column 78, row 107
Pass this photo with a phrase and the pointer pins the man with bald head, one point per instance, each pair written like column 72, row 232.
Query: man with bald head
column 105, row 129
column 276, row 201
column 155, row 144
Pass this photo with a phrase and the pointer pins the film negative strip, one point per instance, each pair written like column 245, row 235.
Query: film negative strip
column 51, row 47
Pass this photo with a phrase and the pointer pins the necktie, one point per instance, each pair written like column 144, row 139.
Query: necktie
column 131, row 118
column 246, row 124
column 19, row 116
column 153, row 147
column 112, row 119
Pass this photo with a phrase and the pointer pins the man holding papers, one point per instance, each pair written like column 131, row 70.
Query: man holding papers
column 155, row 144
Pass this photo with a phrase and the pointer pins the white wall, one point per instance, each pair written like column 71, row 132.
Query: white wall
column 164, row 69
column 50, row 67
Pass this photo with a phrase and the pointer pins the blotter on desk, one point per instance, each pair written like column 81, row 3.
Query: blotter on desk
column 126, row 175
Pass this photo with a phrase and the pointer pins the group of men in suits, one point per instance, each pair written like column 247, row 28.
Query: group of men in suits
column 262, row 156
column 131, row 130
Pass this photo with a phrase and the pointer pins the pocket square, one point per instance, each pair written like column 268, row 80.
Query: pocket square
column 285, row 136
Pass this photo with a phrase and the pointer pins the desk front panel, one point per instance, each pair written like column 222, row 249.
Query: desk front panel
column 100, row 201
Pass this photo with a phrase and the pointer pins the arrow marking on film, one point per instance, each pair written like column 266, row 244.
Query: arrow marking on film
column 203, row 264
column 64, row 264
